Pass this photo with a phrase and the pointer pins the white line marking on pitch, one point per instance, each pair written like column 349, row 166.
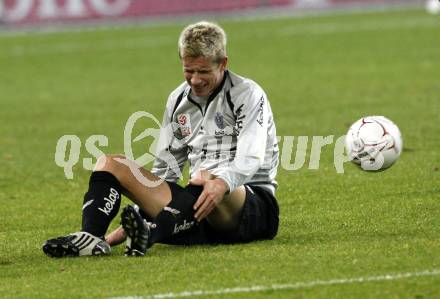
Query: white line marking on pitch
column 289, row 286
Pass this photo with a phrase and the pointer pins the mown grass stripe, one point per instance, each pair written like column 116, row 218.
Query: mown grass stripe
column 289, row 286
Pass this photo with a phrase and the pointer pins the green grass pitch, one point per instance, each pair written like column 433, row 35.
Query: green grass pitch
column 320, row 73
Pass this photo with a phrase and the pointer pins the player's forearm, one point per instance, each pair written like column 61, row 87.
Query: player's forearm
column 238, row 172
column 116, row 237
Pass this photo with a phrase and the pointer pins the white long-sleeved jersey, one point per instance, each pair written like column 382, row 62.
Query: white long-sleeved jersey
column 231, row 134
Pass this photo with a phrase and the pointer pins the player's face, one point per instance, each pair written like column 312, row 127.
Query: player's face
column 203, row 75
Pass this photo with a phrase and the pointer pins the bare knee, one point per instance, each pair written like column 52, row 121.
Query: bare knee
column 108, row 163
column 129, row 174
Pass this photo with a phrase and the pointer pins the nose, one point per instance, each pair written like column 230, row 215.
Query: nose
column 195, row 79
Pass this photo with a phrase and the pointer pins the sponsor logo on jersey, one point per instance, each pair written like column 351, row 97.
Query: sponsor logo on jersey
column 186, row 225
column 186, row 131
column 226, row 131
column 110, row 202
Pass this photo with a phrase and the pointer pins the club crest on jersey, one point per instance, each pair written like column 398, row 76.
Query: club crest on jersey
column 219, row 120
column 184, row 124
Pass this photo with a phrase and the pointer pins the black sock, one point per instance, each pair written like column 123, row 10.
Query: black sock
column 101, row 203
column 176, row 217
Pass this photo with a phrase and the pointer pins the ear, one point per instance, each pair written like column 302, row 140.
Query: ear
column 224, row 63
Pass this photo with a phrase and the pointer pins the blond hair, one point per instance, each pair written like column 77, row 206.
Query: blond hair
column 203, row 39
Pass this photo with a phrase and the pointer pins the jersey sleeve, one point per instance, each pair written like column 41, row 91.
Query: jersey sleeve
column 170, row 155
column 252, row 113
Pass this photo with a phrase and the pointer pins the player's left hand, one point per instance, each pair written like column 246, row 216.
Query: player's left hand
column 211, row 196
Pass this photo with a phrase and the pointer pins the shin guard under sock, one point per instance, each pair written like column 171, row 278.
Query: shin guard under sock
column 101, row 203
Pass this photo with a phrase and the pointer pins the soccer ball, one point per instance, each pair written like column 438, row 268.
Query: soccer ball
column 373, row 142
column 433, row 6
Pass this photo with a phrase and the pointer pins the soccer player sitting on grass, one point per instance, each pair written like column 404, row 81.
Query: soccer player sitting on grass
column 219, row 122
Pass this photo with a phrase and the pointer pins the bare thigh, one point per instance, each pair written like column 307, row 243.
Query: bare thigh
column 226, row 215
column 152, row 200
column 137, row 182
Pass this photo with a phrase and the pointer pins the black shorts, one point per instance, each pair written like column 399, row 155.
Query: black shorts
column 258, row 221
